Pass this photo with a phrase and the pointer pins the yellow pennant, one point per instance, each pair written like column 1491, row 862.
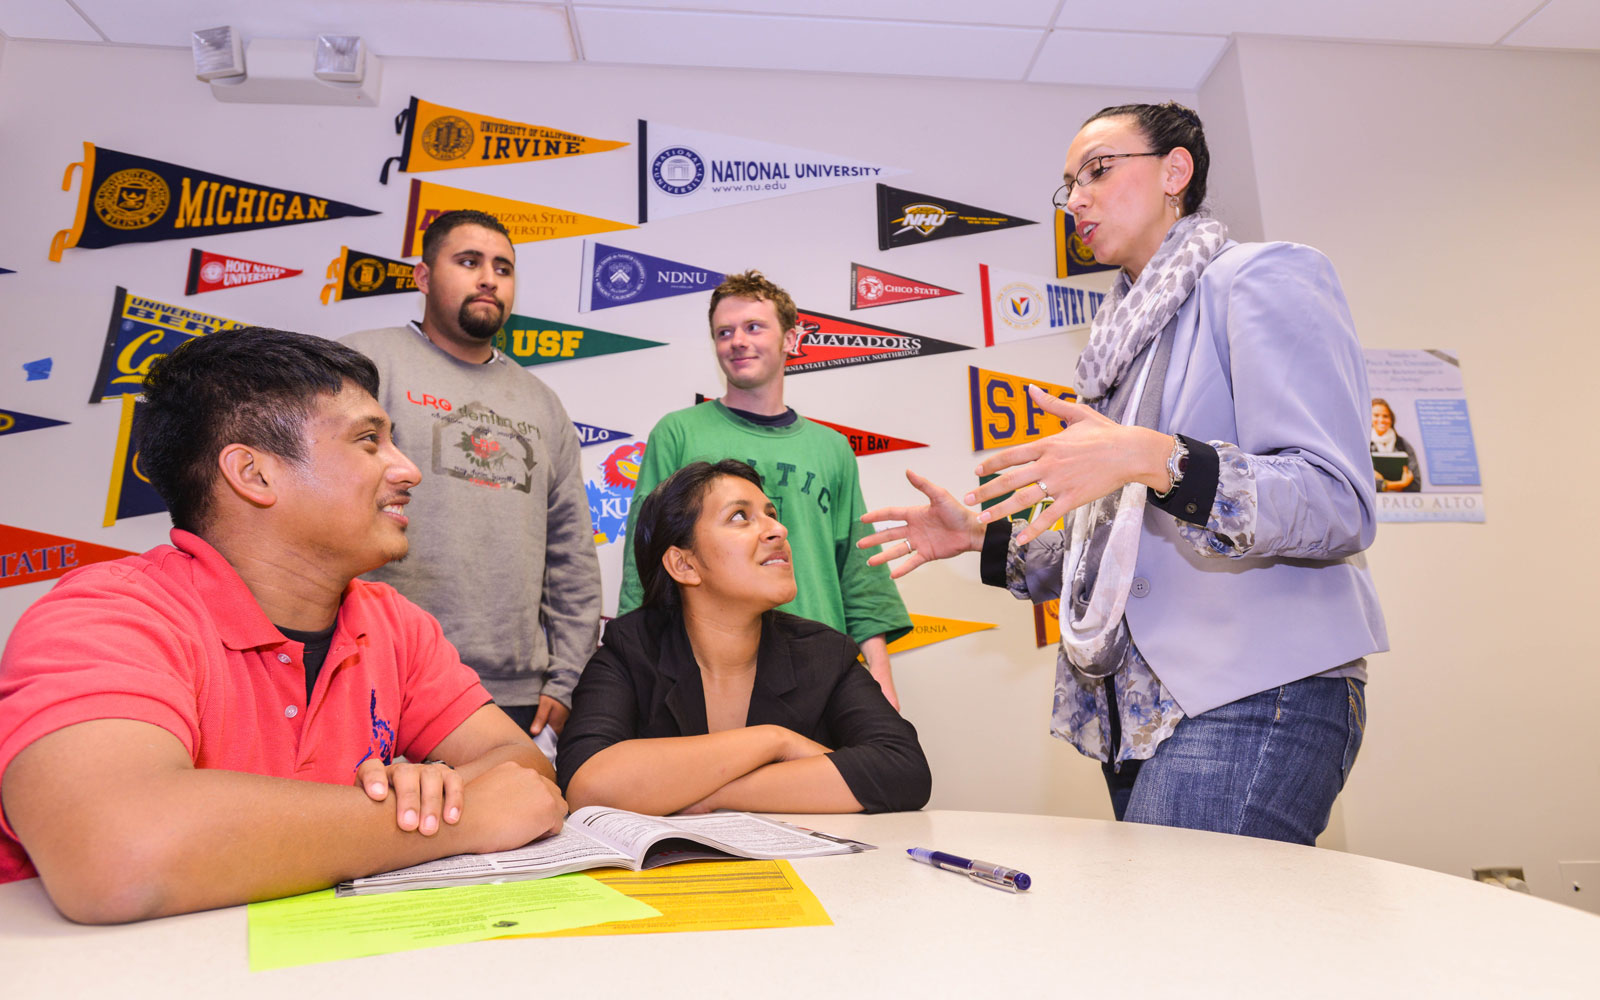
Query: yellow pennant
column 441, row 138
column 1002, row 413
column 925, row 629
column 526, row 221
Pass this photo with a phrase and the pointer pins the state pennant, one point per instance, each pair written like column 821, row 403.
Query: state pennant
column 906, row 217
column 613, row 276
column 1017, row 306
column 926, row 630
column 526, row 221
column 356, row 274
column 140, row 331
column 30, row 556
column 589, row 434
column 831, row 342
column 125, row 198
column 1073, row 256
column 15, row 422
column 130, row 493
column 210, row 271
column 441, row 138
column 868, row 443
column 1002, row 413
column 529, row 341
column 871, row 287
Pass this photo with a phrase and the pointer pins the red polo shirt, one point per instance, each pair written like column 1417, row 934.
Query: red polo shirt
column 174, row 638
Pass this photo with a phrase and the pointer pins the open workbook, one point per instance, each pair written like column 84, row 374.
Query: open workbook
column 600, row 837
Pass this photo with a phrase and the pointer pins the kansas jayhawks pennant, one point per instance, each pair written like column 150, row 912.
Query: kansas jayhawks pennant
column 1018, row 306
column 130, row 494
column 526, row 221
column 210, row 271
column 866, row 442
column 140, row 331
column 126, row 198
column 531, row 341
column 1002, row 413
column 871, row 287
column 441, row 138
column 906, row 217
column 1073, row 257
column 613, row 276
column 30, row 556
column 611, row 495
column 356, row 274
column 830, row 342
column 15, row 422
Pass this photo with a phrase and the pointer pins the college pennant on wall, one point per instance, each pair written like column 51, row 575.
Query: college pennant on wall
column 871, row 287
column 589, row 434
column 612, row 494
column 30, row 556
column 6, row 270
column 1017, row 306
column 1073, row 257
column 530, row 341
column 130, row 494
column 124, row 198
column 926, row 629
column 906, row 217
column 830, row 342
column 356, row 274
column 210, row 271
column 1002, row 413
column 140, row 331
column 866, row 442
column 613, row 276
column 527, row 222
column 441, row 138
column 15, row 422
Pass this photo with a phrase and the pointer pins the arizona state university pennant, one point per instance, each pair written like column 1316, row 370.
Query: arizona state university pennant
column 871, row 287
column 613, row 276
column 531, row 341
column 1002, row 413
column 1017, row 306
column 830, row 342
column 140, row 331
column 526, row 221
column 866, row 442
column 906, row 217
column 126, row 198
column 15, row 422
column 1072, row 256
column 441, row 138
column 926, row 630
column 30, row 556
column 355, row 274
column 130, row 494
column 210, row 271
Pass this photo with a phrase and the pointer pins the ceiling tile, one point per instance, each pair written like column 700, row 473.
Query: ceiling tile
column 1023, row 13
column 737, row 41
column 1127, row 59
column 45, row 19
column 1563, row 24
column 1468, row 22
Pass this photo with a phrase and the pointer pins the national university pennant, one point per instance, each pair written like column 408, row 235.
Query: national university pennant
column 125, row 198
column 30, row 556
column 1017, row 306
column 1002, row 413
column 441, row 138
column 529, row 341
column 131, row 493
column 831, row 342
column 527, row 222
column 926, row 630
column 210, row 271
column 866, row 442
column 871, row 287
column 907, row 217
column 15, row 422
column 356, row 274
column 140, row 331
column 1073, row 256
column 613, row 276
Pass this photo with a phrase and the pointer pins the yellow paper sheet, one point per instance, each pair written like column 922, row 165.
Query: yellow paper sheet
column 319, row 927
column 710, row 896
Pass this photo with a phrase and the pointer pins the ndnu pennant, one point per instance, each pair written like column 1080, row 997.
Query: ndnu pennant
column 866, row 442
column 133, row 199
column 906, row 217
column 530, row 341
column 140, row 331
column 1017, row 306
column 1002, row 413
column 130, row 494
column 871, row 287
column 684, row 170
column 15, row 422
column 441, row 138
column 613, row 276
column 1073, row 256
column 527, row 222
column 830, row 342
column 926, row 629
column 30, row 556
column 210, row 271
column 355, row 274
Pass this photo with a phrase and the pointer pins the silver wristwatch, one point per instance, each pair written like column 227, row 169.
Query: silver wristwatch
column 1177, row 464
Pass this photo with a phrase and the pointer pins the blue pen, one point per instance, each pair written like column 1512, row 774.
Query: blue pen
column 986, row 872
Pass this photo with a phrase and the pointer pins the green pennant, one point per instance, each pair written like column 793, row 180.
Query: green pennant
column 530, row 341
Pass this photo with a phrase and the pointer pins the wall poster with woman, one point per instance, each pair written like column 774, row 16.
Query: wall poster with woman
column 1424, row 458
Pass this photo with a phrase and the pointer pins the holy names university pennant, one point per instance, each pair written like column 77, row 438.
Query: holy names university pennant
column 866, row 442
column 210, row 271
column 441, row 138
column 30, row 556
column 831, row 342
column 526, row 221
column 871, row 287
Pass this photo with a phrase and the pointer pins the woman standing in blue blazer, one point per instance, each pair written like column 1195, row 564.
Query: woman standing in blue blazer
column 1216, row 487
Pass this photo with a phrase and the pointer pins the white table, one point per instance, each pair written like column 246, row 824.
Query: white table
column 1116, row 910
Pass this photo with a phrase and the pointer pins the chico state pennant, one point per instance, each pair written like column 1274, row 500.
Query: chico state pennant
column 356, row 274
column 866, row 442
column 1017, row 306
column 15, row 422
column 589, row 434
column 125, row 198
column 210, row 271
column 1073, row 256
column 871, row 287
column 926, row 630
column 140, row 331
column 130, row 494
column 30, row 556
column 831, row 342
column 613, row 276
column 526, row 221
column 530, row 341
column 441, row 138
column 1002, row 413
column 906, row 217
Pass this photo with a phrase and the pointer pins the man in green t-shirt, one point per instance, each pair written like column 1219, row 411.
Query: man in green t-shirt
column 809, row 472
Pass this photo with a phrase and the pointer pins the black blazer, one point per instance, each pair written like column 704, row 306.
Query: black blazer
column 644, row 683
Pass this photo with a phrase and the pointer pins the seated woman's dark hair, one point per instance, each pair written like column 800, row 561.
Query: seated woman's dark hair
column 1166, row 127
column 667, row 518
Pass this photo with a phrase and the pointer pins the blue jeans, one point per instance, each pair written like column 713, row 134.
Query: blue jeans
column 1269, row 765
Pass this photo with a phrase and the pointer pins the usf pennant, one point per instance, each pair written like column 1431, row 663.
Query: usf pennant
column 140, row 331
column 210, row 271
column 1017, row 306
column 530, row 341
column 30, row 556
column 926, row 630
column 15, row 422
column 355, row 274
column 1002, row 413
column 830, row 342
column 866, row 442
column 526, row 221
column 124, row 198
column 613, row 276
column 441, row 138
column 871, row 287
column 906, row 217
column 130, row 494
column 1073, row 256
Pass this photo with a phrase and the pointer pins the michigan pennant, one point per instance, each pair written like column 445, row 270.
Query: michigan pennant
column 926, row 630
column 130, row 494
column 1002, row 413
column 527, row 222
column 6, row 270
column 210, row 271
column 831, row 342
column 866, row 442
column 684, row 170
column 15, row 422
column 126, row 198
column 906, row 217
column 531, row 341
column 590, row 434
column 1073, row 256
column 871, row 287
column 140, row 331
column 30, row 556
column 356, row 274
column 613, row 276
column 441, row 138
column 1017, row 306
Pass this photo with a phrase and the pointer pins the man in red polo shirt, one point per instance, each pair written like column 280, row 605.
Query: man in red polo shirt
column 219, row 720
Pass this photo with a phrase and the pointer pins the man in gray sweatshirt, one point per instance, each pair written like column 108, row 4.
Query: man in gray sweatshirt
column 502, row 550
